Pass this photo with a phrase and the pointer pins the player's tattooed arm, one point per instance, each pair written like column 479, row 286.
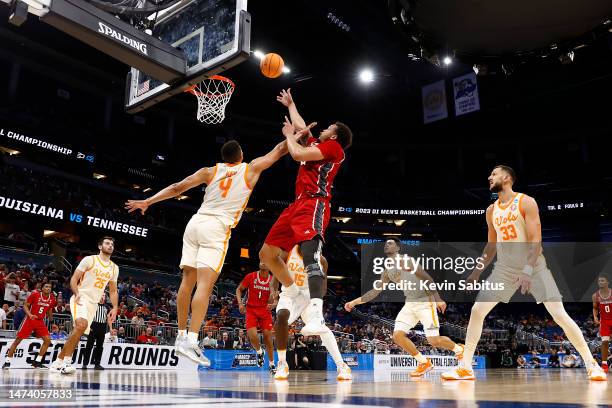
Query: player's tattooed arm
column 534, row 229
column 202, row 176
column 369, row 295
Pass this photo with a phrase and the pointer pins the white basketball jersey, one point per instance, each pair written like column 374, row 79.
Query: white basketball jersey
column 96, row 277
column 511, row 228
column 412, row 292
column 227, row 194
column 295, row 265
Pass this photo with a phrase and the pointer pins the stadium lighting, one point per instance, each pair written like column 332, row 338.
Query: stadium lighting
column 146, row 190
column 286, row 70
column 366, row 76
column 447, row 60
column 49, row 233
column 354, row 232
column 182, row 197
column 99, row 176
column 392, row 234
column 258, row 54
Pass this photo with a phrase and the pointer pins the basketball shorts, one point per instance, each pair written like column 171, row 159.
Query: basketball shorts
column 297, row 306
column 29, row 326
column 259, row 318
column 303, row 220
column 86, row 310
column 417, row 311
column 543, row 285
column 205, row 243
column 605, row 328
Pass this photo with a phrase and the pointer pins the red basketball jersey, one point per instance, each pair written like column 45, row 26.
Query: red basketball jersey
column 315, row 178
column 39, row 304
column 259, row 289
column 605, row 306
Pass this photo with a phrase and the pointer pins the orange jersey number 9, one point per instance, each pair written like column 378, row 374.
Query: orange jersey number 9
column 508, row 232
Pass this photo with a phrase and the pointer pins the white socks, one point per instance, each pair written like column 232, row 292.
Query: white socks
column 38, row 358
column 260, row 351
column 182, row 333
column 420, row 358
column 282, row 355
column 330, row 343
column 457, row 348
column 317, row 304
column 193, row 337
column 67, row 360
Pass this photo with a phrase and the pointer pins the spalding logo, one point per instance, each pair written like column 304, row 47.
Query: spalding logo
column 111, row 32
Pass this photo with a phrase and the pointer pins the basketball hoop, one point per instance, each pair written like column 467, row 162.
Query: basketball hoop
column 213, row 95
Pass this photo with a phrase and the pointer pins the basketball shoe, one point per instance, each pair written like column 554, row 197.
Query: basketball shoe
column 344, row 372
column 422, row 369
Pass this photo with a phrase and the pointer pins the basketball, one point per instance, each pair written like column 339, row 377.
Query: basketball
column 272, row 65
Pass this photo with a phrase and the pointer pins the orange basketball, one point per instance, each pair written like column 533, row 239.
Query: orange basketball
column 272, row 65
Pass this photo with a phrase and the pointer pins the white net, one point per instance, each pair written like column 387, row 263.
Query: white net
column 213, row 95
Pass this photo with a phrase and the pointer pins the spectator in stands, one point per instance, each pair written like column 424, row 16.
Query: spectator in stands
column 241, row 342
column 111, row 336
column 553, row 361
column 147, row 337
column 569, row 360
column 154, row 321
column 121, row 335
column 24, row 292
column 224, row 342
column 3, row 317
column 59, row 307
column 521, row 362
column 11, row 289
column 9, row 310
column 209, row 341
column 138, row 320
column 56, row 334
column 19, row 315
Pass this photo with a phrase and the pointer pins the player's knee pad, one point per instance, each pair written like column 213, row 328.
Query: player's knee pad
column 311, row 254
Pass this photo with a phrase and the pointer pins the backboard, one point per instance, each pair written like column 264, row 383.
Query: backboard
column 214, row 36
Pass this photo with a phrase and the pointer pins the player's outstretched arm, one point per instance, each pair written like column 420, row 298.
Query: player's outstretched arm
column 286, row 99
column 368, row 296
column 258, row 165
column 202, row 176
column 297, row 151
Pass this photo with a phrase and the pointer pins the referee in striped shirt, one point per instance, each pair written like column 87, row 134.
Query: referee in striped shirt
column 96, row 334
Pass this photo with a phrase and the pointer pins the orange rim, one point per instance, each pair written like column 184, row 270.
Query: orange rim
column 194, row 91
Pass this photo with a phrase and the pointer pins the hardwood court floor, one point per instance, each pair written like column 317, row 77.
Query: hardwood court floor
column 131, row 388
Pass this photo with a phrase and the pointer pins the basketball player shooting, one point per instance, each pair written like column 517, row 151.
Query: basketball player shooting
column 257, row 309
column 602, row 315
column 206, row 237
column 421, row 306
column 88, row 283
column 37, row 306
column 289, row 309
column 515, row 236
column 304, row 221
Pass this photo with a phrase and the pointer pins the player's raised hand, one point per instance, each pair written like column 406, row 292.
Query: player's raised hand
column 524, row 282
column 133, row 205
column 285, row 97
column 288, row 128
